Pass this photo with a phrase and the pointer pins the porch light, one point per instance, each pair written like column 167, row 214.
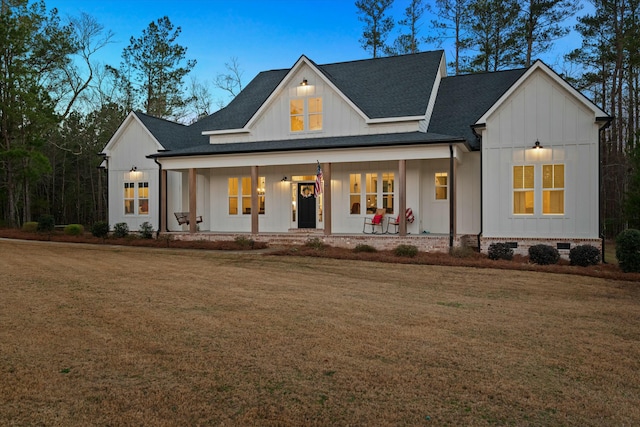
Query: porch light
column 284, row 179
column 133, row 169
column 304, row 82
column 537, row 145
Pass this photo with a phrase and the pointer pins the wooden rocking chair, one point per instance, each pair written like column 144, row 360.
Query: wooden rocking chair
column 376, row 221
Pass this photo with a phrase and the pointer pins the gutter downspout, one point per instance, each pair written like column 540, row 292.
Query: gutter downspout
column 479, row 236
column 603, row 234
column 451, row 197
column 160, row 190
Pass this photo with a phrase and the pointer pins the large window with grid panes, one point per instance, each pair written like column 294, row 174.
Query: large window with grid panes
column 239, row 195
column 370, row 191
column 534, row 184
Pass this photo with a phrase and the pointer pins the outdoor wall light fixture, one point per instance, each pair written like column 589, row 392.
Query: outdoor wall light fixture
column 537, row 145
column 133, row 169
column 304, row 82
column 284, row 179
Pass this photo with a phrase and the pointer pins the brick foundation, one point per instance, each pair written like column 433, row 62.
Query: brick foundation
column 424, row 242
column 524, row 243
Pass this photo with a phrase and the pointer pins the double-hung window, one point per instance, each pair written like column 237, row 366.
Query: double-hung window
column 442, row 186
column 136, row 194
column 553, row 189
column 523, row 190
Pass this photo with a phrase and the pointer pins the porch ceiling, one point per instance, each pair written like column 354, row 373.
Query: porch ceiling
column 380, row 147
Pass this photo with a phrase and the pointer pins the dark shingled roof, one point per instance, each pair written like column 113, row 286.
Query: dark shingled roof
column 169, row 134
column 397, row 86
column 379, row 140
column 462, row 100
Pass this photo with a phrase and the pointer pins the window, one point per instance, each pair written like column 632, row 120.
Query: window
column 305, row 114
column 371, row 183
column 315, row 113
column 354, row 193
column 246, row 195
column 129, row 198
column 387, row 192
column 442, row 186
column 136, row 195
column 239, row 195
column 523, row 189
column 553, row 189
column 296, row 109
column 373, row 195
column 143, row 198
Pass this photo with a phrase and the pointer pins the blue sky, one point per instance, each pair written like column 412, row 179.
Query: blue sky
column 262, row 35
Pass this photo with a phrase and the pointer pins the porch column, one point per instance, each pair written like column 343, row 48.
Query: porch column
column 452, row 196
column 163, row 201
column 193, row 225
column 326, row 210
column 402, row 195
column 254, row 200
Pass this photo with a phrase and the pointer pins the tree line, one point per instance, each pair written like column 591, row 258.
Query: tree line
column 59, row 106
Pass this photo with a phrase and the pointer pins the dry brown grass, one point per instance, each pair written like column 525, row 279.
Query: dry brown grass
column 104, row 335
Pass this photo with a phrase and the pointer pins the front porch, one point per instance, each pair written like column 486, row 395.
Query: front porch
column 425, row 242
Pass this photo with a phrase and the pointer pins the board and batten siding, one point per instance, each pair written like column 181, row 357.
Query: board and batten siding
column 131, row 148
column 540, row 109
column 339, row 118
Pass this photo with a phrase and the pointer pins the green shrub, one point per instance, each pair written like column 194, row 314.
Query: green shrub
column 628, row 250
column 500, row 251
column 30, row 227
column 364, row 248
column 74, row 230
column 244, row 242
column 584, row 255
column 121, row 229
column 406, row 251
column 46, row 223
column 146, row 230
column 543, row 255
column 100, row 229
column 315, row 243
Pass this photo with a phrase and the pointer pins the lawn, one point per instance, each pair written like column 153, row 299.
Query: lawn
column 108, row 335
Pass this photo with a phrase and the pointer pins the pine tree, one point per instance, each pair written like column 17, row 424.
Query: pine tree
column 377, row 25
column 155, row 62
column 540, row 24
column 493, row 34
column 409, row 42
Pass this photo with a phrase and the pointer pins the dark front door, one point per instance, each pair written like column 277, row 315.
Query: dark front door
column 306, row 206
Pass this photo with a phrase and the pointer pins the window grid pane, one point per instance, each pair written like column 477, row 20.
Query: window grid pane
column 523, row 194
column 553, row 195
column 441, row 185
column 355, row 188
column 387, row 192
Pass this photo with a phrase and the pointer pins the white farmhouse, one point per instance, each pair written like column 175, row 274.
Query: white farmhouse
column 510, row 156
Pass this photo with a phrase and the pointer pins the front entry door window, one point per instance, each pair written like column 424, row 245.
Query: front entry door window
column 306, row 206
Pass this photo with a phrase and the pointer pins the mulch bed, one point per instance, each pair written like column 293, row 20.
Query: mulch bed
column 475, row 260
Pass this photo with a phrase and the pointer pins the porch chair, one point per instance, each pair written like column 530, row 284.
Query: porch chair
column 183, row 218
column 396, row 221
column 376, row 221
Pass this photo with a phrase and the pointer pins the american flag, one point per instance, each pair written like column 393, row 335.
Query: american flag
column 318, row 181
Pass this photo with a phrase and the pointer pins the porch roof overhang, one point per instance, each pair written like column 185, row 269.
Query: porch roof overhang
column 376, row 147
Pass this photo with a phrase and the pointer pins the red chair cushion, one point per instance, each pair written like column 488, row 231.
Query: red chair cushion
column 377, row 219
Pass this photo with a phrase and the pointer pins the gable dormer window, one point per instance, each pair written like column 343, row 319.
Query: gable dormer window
column 305, row 114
